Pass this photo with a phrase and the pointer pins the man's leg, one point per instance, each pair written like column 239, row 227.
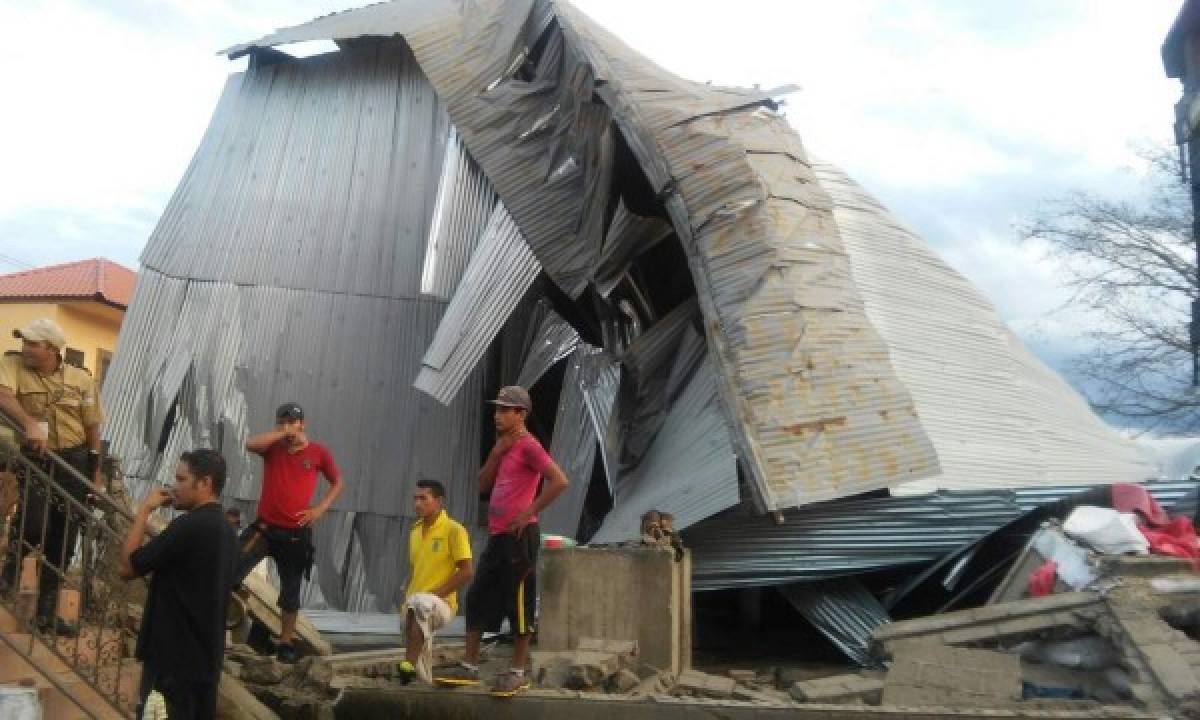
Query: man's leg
column 425, row 616
column 521, row 651
column 414, row 639
column 179, row 695
column 289, row 562
column 288, row 621
column 145, row 687
column 57, row 559
column 471, row 652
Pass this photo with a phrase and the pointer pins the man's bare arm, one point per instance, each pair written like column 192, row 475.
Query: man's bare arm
column 464, row 570
column 137, row 531
column 311, row 515
column 12, row 408
column 262, row 442
column 556, row 483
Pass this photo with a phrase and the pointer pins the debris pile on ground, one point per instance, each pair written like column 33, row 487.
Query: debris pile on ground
column 613, row 667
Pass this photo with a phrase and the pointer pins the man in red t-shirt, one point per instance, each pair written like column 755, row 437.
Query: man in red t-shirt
column 504, row 583
column 282, row 529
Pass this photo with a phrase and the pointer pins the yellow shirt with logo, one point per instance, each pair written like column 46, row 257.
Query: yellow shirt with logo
column 66, row 400
column 434, row 554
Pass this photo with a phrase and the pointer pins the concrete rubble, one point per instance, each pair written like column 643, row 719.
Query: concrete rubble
column 1121, row 650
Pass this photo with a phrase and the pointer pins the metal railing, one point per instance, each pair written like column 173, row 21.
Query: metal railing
column 59, row 572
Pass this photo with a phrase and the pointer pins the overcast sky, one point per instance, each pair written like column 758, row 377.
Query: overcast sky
column 963, row 116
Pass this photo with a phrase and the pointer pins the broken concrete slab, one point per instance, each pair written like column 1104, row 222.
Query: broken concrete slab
column 839, row 689
column 761, row 697
column 550, row 669
column 1002, row 622
column 955, row 677
column 658, row 684
column 701, row 684
column 590, row 670
column 605, row 645
column 624, row 681
column 261, row 671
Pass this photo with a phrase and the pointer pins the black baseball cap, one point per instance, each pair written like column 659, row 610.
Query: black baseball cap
column 289, row 411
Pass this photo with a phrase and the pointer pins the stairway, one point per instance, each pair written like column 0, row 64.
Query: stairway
column 64, row 694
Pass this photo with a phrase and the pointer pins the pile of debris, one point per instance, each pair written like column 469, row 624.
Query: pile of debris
column 1132, row 643
column 613, row 667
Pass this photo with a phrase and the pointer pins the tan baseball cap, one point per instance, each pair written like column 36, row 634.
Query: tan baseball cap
column 43, row 330
column 513, row 396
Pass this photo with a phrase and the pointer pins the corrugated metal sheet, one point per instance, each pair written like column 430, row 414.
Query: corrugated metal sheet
column 291, row 263
column 277, row 196
column 814, row 406
column 858, row 536
column 996, row 415
column 689, row 470
column 553, row 340
column 464, row 203
column 628, row 235
column 575, row 437
column 651, row 363
column 340, row 327
column 543, row 141
column 500, row 272
column 843, row 610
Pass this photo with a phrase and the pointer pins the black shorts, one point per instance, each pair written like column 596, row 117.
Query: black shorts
column 290, row 548
column 505, row 584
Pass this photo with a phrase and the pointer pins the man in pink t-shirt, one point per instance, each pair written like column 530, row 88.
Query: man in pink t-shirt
column 504, row 583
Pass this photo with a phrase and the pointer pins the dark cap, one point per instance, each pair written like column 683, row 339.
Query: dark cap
column 289, row 411
column 513, row 396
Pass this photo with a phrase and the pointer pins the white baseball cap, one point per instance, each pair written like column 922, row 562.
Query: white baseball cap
column 43, row 330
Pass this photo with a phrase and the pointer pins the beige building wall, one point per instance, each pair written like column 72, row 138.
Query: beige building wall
column 91, row 327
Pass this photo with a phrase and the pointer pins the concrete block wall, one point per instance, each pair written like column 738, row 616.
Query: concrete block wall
column 618, row 593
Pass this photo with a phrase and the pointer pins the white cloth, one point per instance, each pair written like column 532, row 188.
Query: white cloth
column 431, row 613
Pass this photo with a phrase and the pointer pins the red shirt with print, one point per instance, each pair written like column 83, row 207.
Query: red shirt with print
column 289, row 480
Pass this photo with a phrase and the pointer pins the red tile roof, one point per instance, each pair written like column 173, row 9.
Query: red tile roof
column 95, row 279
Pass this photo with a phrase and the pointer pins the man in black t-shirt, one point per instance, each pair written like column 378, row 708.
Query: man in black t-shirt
column 182, row 639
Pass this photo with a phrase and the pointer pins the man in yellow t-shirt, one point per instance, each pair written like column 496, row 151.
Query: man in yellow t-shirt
column 439, row 559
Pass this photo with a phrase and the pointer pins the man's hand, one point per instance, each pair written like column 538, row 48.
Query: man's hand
column 156, row 498
column 35, row 437
column 309, row 516
column 519, row 523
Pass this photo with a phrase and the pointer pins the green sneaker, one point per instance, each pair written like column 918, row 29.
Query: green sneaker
column 509, row 683
column 455, row 675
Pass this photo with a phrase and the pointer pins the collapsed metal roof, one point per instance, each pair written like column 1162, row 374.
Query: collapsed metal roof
column 468, row 195
column 811, row 401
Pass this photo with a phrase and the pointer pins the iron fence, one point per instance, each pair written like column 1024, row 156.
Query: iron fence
column 59, row 573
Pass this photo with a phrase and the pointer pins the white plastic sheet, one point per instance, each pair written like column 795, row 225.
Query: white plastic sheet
column 1106, row 530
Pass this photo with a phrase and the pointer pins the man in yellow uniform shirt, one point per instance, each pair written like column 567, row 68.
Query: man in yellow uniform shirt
column 439, row 559
column 57, row 408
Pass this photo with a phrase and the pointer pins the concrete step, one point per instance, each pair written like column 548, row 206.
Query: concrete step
column 34, row 662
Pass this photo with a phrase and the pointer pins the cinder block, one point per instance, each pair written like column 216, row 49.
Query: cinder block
column 949, row 676
column 839, row 689
column 694, row 682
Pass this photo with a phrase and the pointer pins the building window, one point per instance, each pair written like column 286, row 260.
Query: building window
column 73, row 357
column 103, row 360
